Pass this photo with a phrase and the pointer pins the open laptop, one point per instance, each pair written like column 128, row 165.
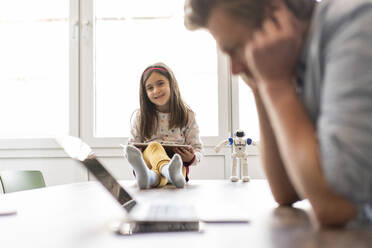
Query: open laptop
column 140, row 218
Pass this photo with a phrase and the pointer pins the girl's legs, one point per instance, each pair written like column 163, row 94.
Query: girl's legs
column 173, row 171
column 145, row 177
column 157, row 158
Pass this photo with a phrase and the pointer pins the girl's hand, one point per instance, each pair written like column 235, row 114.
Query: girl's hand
column 186, row 155
column 273, row 52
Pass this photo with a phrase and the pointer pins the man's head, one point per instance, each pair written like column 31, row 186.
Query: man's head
column 233, row 22
column 252, row 12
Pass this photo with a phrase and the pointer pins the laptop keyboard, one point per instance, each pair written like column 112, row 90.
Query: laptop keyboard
column 171, row 212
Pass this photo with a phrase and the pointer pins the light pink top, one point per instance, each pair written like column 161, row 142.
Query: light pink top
column 188, row 135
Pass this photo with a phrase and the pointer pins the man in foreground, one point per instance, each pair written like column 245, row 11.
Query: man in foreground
column 309, row 67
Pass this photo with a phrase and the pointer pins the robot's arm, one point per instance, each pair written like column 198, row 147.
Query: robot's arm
column 251, row 142
column 217, row 148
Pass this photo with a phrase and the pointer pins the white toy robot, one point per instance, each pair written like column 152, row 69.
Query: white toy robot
column 239, row 152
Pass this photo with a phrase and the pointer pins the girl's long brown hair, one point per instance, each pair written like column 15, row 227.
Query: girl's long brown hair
column 179, row 111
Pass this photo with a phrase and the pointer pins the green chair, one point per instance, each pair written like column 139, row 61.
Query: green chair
column 13, row 181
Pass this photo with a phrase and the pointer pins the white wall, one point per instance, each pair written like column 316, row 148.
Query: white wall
column 55, row 170
column 212, row 167
column 64, row 170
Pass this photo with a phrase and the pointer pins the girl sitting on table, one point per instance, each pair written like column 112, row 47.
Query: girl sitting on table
column 162, row 117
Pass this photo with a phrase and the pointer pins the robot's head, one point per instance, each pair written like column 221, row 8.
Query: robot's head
column 239, row 133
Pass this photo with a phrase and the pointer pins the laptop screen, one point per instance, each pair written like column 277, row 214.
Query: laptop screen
column 109, row 182
column 81, row 152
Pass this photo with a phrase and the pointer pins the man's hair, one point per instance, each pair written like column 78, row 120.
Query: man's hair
column 179, row 111
column 252, row 12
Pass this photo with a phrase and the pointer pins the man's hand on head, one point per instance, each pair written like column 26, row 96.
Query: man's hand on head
column 273, row 52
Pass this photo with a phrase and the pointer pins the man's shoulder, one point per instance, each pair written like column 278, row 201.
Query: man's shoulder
column 336, row 10
column 340, row 19
column 342, row 5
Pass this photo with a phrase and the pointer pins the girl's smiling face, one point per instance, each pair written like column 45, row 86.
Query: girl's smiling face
column 158, row 91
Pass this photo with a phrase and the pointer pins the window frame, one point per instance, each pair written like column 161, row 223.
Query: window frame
column 235, row 113
column 81, row 98
column 12, row 147
column 88, row 90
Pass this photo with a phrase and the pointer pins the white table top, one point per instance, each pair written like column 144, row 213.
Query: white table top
column 83, row 214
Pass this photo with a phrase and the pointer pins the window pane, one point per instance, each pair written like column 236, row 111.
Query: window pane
column 248, row 118
column 34, row 68
column 128, row 38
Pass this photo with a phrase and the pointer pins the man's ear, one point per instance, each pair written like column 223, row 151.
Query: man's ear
column 272, row 6
column 275, row 4
column 302, row 9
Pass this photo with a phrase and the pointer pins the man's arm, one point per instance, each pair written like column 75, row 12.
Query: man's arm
column 293, row 130
column 299, row 149
column 280, row 185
